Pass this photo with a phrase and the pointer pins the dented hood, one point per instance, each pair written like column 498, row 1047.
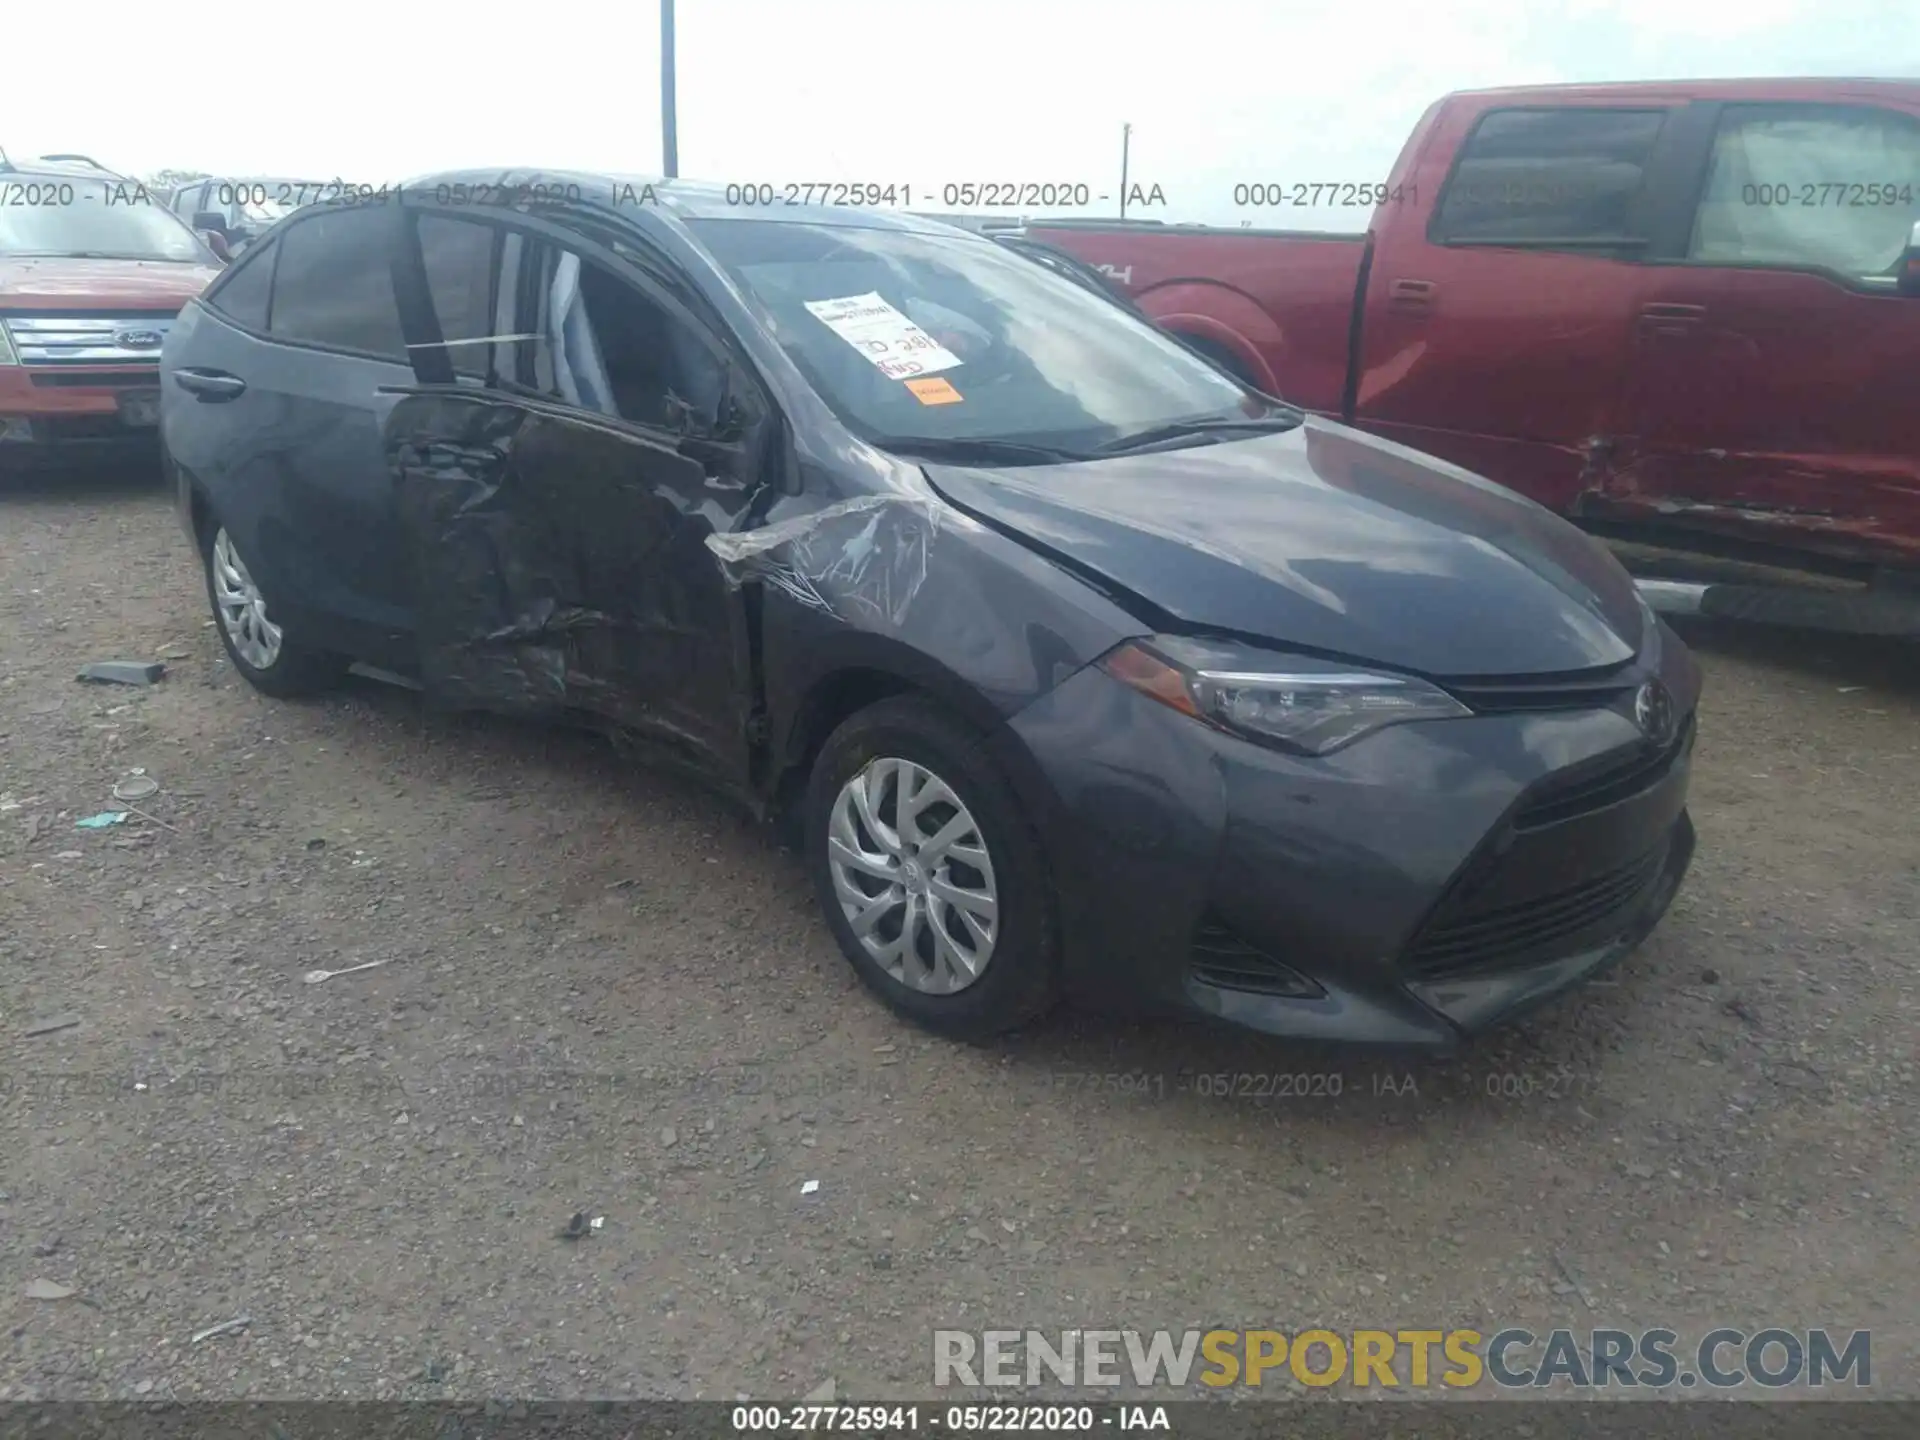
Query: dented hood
column 1328, row 540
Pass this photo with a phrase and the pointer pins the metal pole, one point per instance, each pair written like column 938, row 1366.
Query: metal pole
column 1126, row 135
column 669, row 126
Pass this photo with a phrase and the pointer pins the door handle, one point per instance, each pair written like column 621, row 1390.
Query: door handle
column 1412, row 297
column 1661, row 318
column 210, row 386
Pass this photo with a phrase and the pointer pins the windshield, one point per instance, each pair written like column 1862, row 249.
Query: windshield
column 76, row 219
column 960, row 339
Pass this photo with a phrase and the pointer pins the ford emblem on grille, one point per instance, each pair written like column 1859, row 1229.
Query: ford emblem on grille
column 138, row 339
column 1653, row 712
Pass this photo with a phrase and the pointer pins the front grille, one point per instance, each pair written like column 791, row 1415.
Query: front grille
column 88, row 339
column 1532, row 931
column 1587, row 690
column 1221, row 958
column 1584, row 789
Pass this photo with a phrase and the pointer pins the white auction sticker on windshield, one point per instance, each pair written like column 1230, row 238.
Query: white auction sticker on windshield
column 897, row 347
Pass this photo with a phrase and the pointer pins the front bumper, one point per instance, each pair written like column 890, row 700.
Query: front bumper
column 56, row 417
column 1411, row 890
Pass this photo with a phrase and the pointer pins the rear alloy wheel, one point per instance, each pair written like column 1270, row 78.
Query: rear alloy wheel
column 259, row 647
column 931, row 880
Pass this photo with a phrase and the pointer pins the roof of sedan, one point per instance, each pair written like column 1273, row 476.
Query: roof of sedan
column 687, row 199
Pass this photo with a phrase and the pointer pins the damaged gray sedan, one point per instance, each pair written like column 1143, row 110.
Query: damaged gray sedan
column 1080, row 668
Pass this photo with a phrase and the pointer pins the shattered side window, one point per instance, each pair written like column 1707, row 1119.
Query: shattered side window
column 659, row 371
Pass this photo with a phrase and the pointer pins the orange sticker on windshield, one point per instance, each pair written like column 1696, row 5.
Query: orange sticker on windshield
column 935, row 391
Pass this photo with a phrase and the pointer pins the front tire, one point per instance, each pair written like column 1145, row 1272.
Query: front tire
column 929, row 875
column 269, row 659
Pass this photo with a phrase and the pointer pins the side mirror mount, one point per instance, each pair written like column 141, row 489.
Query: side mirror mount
column 217, row 243
column 1908, row 276
column 210, row 220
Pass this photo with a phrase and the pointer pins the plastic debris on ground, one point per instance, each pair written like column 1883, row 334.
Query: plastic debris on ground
column 135, row 785
column 225, row 1327
column 122, row 672
column 314, row 977
column 102, row 820
column 49, row 1290
column 809, row 1187
column 47, row 1027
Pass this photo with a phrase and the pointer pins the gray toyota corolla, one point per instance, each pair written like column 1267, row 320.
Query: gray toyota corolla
column 1079, row 668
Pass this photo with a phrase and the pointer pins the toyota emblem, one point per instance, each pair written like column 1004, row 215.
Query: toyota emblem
column 138, row 339
column 1653, row 712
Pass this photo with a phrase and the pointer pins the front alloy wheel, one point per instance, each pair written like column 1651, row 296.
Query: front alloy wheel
column 929, row 873
column 913, row 876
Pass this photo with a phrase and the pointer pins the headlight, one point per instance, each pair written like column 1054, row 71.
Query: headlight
column 7, row 357
column 1310, row 707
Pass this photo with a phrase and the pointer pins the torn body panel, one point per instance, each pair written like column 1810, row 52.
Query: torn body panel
column 898, row 582
column 868, row 554
column 558, row 567
column 1857, row 508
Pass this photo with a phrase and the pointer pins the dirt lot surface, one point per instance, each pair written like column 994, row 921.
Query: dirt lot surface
column 600, row 990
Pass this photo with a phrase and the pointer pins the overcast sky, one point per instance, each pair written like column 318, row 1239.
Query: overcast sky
column 902, row 92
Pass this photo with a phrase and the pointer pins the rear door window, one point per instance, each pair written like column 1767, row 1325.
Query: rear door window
column 1809, row 186
column 1552, row 179
column 333, row 286
column 242, row 295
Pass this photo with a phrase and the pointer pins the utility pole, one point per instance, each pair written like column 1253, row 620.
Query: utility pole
column 1126, row 135
column 669, row 126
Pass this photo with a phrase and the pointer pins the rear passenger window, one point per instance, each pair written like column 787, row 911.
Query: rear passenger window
column 334, row 284
column 460, row 263
column 1827, row 187
column 1561, row 178
column 241, row 295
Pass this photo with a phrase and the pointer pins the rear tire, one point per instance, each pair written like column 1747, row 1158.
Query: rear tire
column 268, row 658
column 910, row 825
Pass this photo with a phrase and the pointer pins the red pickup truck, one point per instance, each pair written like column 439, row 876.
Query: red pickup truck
column 1685, row 314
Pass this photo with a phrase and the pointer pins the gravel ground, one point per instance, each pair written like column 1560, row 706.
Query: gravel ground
column 600, row 990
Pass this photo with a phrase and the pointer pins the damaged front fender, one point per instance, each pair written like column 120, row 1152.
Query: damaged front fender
column 862, row 557
column 903, row 586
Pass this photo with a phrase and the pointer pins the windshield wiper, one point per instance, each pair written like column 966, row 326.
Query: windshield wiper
column 1206, row 425
column 963, row 450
